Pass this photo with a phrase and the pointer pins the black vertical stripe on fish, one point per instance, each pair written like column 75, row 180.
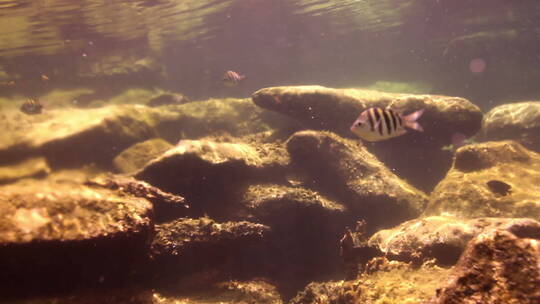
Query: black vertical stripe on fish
column 394, row 120
column 400, row 121
column 370, row 117
column 387, row 122
column 378, row 119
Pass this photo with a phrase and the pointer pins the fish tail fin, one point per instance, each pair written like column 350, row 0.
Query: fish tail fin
column 410, row 120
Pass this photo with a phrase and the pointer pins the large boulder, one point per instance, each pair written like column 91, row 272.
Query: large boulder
column 205, row 170
column 443, row 237
column 496, row 267
column 324, row 108
column 335, row 110
column 515, row 121
column 492, row 179
column 60, row 236
column 344, row 170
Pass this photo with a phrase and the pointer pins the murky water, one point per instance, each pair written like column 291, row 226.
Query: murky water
column 264, row 151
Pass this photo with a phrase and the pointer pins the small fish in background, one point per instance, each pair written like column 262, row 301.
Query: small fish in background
column 458, row 140
column 44, row 77
column 31, row 106
column 376, row 124
column 232, row 78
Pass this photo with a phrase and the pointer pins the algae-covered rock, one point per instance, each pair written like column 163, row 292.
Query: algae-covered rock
column 187, row 246
column 336, row 109
column 56, row 236
column 70, row 137
column 496, row 267
column 268, row 202
column 386, row 282
column 443, row 237
column 492, row 179
column 344, row 169
column 168, row 99
column 306, row 227
column 229, row 292
column 204, row 170
column 139, row 154
column 166, row 206
column 228, row 116
column 515, row 121
column 32, row 167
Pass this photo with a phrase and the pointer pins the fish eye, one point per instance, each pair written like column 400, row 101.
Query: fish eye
column 358, row 124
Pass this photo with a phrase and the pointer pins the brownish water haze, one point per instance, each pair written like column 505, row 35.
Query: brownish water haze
column 187, row 45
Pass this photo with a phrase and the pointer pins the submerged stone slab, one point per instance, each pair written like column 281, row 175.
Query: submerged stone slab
column 229, row 292
column 344, row 169
column 186, row 246
column 443, row 237
column 496, row 267
column 30, row 168
column 515, row 121
column 59, row 236
column 69, row 136
column 227, row 116
column 492, row 179
column 336, row 109
column 166, row 206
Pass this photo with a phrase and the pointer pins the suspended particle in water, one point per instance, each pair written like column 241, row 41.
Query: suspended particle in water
column 477, row 65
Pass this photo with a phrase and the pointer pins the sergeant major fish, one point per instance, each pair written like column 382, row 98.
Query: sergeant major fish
column 376, row 124
column 232, row 78
column 31, row 106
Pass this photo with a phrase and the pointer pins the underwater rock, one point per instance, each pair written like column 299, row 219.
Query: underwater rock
column 139, row 154
column 166, row 206
column 336, row 109
column 215, row 117
column 72, row 137
column 61, row 236
column 386, row 282
column 185, row 248
column 515, row 121
column 496, row 267
column 339, row 292
column 229, row 292
column 344, row 169
column 492, row 179
column 204, row 171
column 31, row 168
column 168, row 99
column 305, row 228
column 443, row 237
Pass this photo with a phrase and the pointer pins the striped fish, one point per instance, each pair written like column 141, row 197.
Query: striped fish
column 376, row 124
column 31, row 106
column 232, row 78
